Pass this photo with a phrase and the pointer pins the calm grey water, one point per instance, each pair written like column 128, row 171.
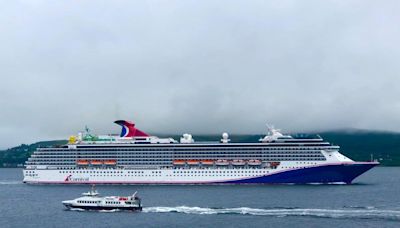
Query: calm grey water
column 373, row 201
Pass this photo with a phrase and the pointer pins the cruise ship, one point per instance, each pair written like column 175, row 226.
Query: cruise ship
column 135, row 157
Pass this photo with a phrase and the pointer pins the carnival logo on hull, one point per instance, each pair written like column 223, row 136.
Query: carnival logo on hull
column 69, row 178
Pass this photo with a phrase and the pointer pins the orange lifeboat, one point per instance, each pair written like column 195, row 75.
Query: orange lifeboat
column 179, row 162
column 254, row 162
column 207, row 162
column 193, row 162
column 238, row 162
column 110, row 162
column 222, row 162
column 274, row 164
column 96, row 162
column 82, row 162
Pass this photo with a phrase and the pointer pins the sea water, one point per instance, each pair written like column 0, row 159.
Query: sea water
column 372, row 201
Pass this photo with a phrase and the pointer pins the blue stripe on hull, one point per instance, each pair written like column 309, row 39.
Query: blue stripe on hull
column 344, row 173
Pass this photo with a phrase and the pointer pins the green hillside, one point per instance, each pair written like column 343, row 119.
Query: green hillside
column 358, row 145
column 16, row 156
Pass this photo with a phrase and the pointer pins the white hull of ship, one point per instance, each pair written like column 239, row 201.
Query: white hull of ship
column 185, row 176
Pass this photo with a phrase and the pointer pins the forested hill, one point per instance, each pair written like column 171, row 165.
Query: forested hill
column 16, row 156
column 358, row 145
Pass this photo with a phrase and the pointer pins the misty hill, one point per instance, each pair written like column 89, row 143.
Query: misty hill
column 16, row 156
column 358, row 145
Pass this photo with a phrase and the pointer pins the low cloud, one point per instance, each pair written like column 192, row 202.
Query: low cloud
column 198, row 67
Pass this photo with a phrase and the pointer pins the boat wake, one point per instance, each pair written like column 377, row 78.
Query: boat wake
column 75, row 209
column 102, row 211
column 10, row 182
column 109, row 211
column 359, row 213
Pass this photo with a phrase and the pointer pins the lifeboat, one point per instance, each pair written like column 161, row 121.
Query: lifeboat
column 238, row 162
column 110, row 162
column 207, row 162
column 179, row 162
column 254, row 162
column 82, row 162
column 96, row 162
column 274, row 164
column 193, row 162
column 222, row 162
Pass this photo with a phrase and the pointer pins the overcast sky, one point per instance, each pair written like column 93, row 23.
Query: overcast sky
column 197, row 66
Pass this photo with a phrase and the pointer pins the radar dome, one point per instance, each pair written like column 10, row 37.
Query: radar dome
column 225, row 135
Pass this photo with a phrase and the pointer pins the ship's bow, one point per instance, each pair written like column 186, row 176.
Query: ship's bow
column 353, row 170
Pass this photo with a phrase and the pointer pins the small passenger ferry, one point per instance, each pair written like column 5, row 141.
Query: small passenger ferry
column 93, row 201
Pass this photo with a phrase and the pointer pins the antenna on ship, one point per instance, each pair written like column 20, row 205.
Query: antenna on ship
column 87, row 129
column 269, row 128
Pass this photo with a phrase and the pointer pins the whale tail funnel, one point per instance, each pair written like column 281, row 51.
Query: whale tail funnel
column 129, row 130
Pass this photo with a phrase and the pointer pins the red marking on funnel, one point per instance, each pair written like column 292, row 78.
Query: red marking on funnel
column 129, row 130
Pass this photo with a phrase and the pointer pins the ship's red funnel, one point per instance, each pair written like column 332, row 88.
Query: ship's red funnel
column 129, row 130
